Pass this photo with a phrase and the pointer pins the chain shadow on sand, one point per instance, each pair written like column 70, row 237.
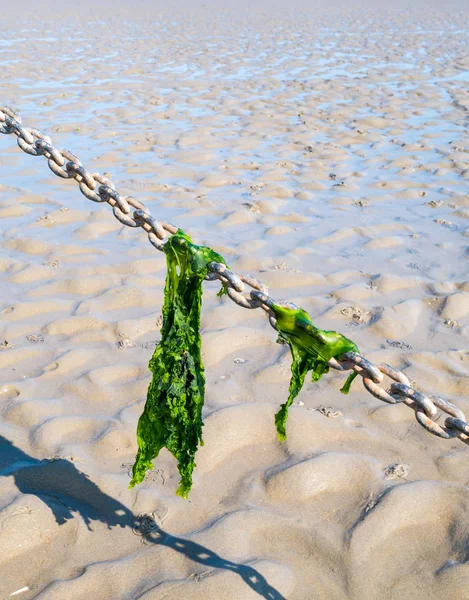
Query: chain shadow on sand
column 66, row 490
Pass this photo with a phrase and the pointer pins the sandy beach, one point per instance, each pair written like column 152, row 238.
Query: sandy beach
column 324, row 151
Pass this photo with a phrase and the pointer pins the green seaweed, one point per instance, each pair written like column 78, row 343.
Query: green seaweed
column 172, row 416
column 311, row 349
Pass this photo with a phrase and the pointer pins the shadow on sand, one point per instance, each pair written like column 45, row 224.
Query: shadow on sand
column 66, row 490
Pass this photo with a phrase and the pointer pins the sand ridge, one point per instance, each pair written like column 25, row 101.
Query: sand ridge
column 325, row 152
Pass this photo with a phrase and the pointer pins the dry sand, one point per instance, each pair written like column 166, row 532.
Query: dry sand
column 325, row 151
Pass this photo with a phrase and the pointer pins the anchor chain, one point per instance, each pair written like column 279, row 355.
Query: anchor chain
column 133, row 213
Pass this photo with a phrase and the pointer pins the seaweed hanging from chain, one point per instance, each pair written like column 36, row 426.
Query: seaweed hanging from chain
column 311, row 349
column 172, row 417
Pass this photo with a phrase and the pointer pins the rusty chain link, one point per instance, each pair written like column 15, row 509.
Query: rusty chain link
column 98, row 188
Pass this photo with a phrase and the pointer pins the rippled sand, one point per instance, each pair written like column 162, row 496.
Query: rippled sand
column 326, row 153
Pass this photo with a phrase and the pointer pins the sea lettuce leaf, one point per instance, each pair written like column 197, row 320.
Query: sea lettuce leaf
column 172, row 417
column 311, row 349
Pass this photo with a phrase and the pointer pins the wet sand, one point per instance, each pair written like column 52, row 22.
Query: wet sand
column 327, row 154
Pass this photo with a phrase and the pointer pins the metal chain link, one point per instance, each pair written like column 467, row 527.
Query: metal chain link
column 98, row 188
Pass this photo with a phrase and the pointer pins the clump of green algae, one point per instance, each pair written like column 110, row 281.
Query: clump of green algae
column 172, row 416
column 311, row 349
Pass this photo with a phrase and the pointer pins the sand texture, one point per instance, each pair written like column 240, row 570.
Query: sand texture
column 324, row 151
